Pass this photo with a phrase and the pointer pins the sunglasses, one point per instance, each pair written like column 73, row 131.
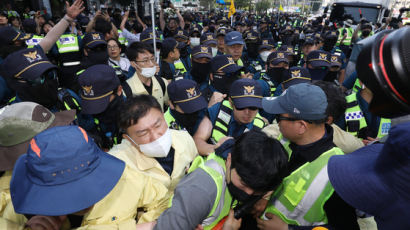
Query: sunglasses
column 250, row 108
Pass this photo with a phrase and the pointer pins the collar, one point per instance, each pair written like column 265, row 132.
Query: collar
column 309, row 152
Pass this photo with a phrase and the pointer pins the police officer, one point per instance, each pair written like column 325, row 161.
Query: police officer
column 231, row 117
column 208, row 39
column 345, row 37
column 171, row 66
column 101, row 99
column 186, row 106
column 34, row 78
column 309, row 143
column 318, row 63
column 330, row 39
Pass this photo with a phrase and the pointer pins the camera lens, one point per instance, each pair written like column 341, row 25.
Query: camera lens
column 384, row 67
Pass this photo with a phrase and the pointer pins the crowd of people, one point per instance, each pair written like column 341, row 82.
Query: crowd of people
column 198, row 121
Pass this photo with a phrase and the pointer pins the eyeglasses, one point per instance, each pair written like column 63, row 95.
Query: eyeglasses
column 113, row 47
column 282, row 118
column 147, row 61
column 250, row 108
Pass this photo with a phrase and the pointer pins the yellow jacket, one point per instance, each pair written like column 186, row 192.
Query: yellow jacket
column 138, row 88
column 117, row 210
column 185, row 152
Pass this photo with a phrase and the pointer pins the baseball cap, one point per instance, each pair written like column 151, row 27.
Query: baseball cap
column 183, row 34
column 335, row 61
column 187, row 95
column 62, row 172
column 333, row 34
column 288, row 49
column 28, row 64
column 202, row 51
column 375, row 178
column 195, row 29
column 19, row 123
column 169, row 44
column 267, row 43
column 297, row 75
column 208, row 39
column 251, row 36
column 8, row 35
column 303, row 101
column 348, row 22
column 277, row 57
column 233, row 38
column 222, row 31
column 93, row 39
column 98, row 83
column 318, row 58
column 148, row 37
column 224, row 63
column 246, row 93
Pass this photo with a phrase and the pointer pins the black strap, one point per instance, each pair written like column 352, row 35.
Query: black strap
column 162, row 84
column 352, row 104
column 127, row 89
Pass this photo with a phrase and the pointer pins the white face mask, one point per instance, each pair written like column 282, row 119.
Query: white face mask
column 214, row 51
column 264, row 55
column 194, row 41
column 148, row 72
column 158, row 148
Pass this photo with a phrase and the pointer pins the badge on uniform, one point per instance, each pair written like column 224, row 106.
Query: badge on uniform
column 322, row 56
column 249, row 90
column 32, row 56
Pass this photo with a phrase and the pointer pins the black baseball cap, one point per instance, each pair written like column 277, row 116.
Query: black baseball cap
column 267, row 43
column 182, row 34
column 148, row 37
column 246, row 93
column 187, row 95
column 277, row 57
column 8, row 35
column 27, row 64
column 169, row 44
column 224, row 63
column 93, row 39
column 335, row 60
column 318, row 58
column 208, row 39
column 98, row 83
column 296, row 75
column 251, row 36
column 202, row 51
column 288, row 49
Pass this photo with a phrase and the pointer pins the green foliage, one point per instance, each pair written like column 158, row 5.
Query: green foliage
column 263, row 5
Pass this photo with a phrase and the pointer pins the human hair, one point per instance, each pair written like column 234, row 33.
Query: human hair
column 135, row 108
column 259, row 160
column 136, row 48
column 115, row 40
column 102, row 26
column 336, row 101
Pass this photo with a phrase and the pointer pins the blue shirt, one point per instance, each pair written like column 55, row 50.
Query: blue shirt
column 235, row 128
column 348, row 83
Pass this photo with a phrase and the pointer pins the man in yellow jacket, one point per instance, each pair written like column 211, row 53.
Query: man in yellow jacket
column 149, row 146
column 57, row 181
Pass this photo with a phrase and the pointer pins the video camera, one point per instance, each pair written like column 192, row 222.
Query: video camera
column 384, row 67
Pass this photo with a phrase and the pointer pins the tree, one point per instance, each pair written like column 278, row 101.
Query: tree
column 262, row 6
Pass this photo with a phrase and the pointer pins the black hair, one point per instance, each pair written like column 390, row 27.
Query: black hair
column 102, row 26
column 115, row 40
column 259, row 160
column 336, row 101
column 135, row 108
column 136, row 48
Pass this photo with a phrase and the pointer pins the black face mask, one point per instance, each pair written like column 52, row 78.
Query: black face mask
column 277, row 74
column 252, row 49
column 44, row 94
column 366, row 33
column 187, row 120
column 109, row 116
column 330, row 76
column 318, row 74
column 329, row 44
column 184, row 52
column 238, row 194
column 200, row 71
column 187, row 26
column 222, row 83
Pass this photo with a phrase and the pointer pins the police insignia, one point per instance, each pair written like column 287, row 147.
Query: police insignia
column 191, row 92
column 334, row 59
column 88, row 90
column 281, row 55
column 230, row 60
column 96, row 36
column 322, row 56
column 296, row 73
column 204, row 49
column 32, row 56
column 249, row 90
